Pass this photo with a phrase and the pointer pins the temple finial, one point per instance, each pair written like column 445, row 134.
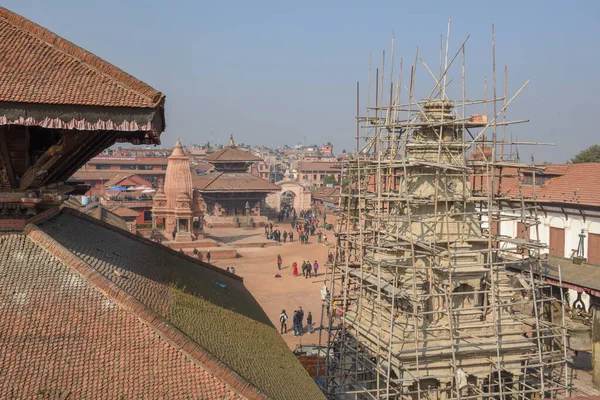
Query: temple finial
column 231, row 142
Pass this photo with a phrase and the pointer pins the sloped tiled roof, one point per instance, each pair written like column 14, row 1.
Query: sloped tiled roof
column 326, row 194
column 332, row 166
column 38, row 66
column 228, row 154
column 61, row 337
column 106, row 174
column 577, row 184
column 124, row 212
column 232, row 182
column 234, row 338
column 105, row 215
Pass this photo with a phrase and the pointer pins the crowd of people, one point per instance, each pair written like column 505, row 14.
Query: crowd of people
column 304, row 224
column 297, row 322
column 307, row 268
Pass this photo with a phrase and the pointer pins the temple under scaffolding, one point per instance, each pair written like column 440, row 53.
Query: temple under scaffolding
column 422, row 303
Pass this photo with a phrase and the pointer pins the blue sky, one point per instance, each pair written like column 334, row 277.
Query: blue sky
column 282, row 72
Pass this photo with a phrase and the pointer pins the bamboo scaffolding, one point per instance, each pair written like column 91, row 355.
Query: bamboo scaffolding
column 424, row 301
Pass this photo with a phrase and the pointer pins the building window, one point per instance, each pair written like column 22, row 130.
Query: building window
column 102, row 166
column 147, row 215
column 315, row 177
column 322, row 176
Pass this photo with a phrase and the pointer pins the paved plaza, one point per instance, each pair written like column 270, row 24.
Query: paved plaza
column 258, row 267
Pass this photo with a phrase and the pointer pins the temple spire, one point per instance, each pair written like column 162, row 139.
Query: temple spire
column 231, row 142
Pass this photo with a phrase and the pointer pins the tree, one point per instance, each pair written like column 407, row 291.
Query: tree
column 330, row 180
column 591, row 154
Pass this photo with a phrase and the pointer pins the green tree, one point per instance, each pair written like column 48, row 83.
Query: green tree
column 330, row 179
column 591, row 154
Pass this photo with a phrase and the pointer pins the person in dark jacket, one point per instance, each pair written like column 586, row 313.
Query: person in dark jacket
column 296, row 322
column 208, row 256
column 283, row 318
column 309, row 322
column 300, row 321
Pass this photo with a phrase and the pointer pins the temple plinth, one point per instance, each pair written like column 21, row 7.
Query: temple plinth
column 178, row 210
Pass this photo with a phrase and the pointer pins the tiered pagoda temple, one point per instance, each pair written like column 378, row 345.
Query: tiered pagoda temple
column 178, row 208
column 232, row 195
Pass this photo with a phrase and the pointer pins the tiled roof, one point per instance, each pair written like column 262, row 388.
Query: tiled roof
column 104, row 215
column 577, row 184
column 334, row 167
column 124, row 212
column 224, row 323
column 232, row 182
column 326, row 194
column 60, row 337
column 38, row 66
column 137, row 161
column 228, row 154
column 105, row 174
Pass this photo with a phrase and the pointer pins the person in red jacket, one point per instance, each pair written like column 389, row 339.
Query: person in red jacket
column 279, row 261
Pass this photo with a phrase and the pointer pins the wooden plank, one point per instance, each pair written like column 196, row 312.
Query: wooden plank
column 594, row 248
column 557, row 242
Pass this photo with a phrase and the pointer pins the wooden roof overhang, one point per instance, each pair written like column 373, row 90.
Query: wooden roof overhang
column 48, row 145
column 61, row 105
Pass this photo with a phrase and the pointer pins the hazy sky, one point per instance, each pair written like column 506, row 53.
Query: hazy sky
column 277, row 72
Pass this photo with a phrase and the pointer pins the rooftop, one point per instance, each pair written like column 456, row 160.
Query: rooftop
column 333, row 166
column 575, row 184
column 232, row 182
column 61, row 72
column 231, row 153
column 112, row 313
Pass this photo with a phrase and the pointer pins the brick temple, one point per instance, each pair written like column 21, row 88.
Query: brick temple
column 233, row 196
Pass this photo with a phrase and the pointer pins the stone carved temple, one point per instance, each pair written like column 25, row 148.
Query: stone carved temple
column 178, row 207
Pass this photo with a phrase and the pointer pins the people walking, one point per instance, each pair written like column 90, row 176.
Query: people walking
column 295, row 268
column 291, row 236
column 316, row 267
column 208, row 256
column 325, row 296
column 285, row 235
column 300, row 321
column 279, row 261
column 309, row 321
column 296, row 322
column 195, row 252
column 283, row 318
column 174, row 233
